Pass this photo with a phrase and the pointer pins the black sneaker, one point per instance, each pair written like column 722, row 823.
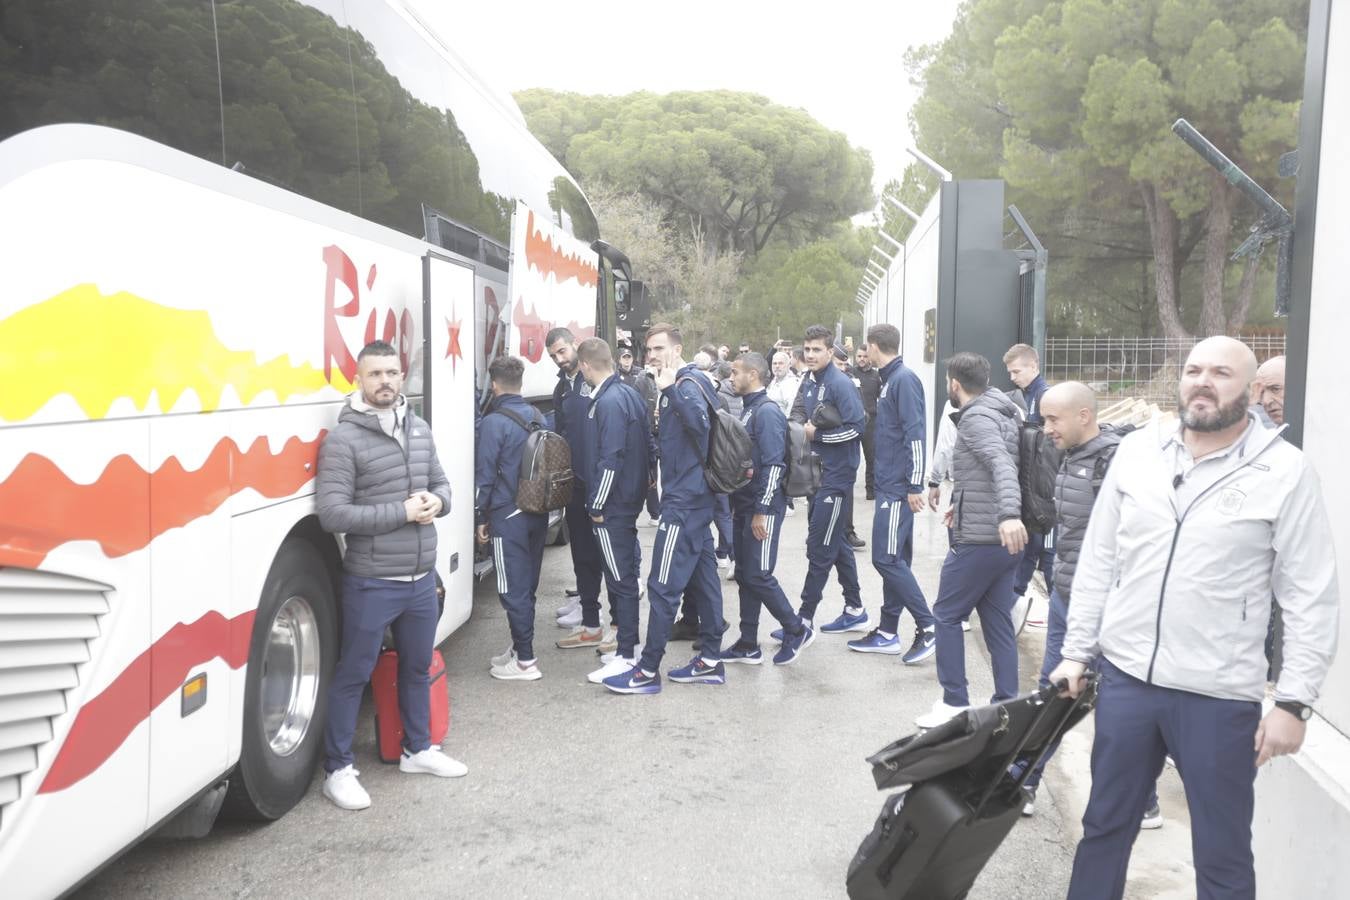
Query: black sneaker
column 684, row 629
column 855, row 542
column 698, row 643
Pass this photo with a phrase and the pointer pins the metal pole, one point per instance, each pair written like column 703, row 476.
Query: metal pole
column 893, row 241
column 937, row 170
column 902, row 207
column 1229, row 170
column 1041, row 259
column 883, row 253
column 880, row 269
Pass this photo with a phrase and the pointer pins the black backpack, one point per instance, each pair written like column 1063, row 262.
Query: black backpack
column 545, row 480
column 804, row 466
column 730, row 465
column 1103, row 461
column 1038, row 461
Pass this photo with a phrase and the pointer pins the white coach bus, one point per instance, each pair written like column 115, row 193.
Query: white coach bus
column 206, row 209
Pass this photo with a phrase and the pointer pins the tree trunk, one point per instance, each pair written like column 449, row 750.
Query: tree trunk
column 1218, row 231
column 1162, row 229
column 1246, row 290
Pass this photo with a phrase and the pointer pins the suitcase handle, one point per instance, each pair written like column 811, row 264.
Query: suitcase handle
column 1043, row 697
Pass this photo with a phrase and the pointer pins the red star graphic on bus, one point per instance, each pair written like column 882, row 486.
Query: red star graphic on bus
column 452, row 350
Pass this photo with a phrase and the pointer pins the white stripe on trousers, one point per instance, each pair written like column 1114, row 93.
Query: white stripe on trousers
column 668, row 552
column 499, row 559
column 602, row 538
column 893, row 543
column 834, row 520
column 767, row 544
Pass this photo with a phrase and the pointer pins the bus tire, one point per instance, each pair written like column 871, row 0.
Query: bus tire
column 290, row 665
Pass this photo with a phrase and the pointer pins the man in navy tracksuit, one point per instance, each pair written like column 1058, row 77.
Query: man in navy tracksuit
column 758, row 510
column 834, row 425
column 1024, row 368
column 517, row 537
column 571, row 403
column 900, row 434
column 682, row 556
column 622, row 454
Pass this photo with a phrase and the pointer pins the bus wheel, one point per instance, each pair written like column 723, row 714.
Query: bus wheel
column 290, row 664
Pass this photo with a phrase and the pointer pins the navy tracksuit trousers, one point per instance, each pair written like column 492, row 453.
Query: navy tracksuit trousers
column 976, row 577
column 892, row 552
column 683, row 562
column 826, row 548
column 586, row 561
column 1039, row 553
column 617, row 541
column 517, row 554
column 755, row 562
column 1137, row 725
column 369, row 606
column 726, row 530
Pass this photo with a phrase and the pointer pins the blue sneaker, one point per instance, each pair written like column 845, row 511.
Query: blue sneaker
column 777, row 633
column 794, row 645
column 699, row 672
column 846, row 622
column 924, row 646
column 740, row 653
column 875, row 642
column 634, row 681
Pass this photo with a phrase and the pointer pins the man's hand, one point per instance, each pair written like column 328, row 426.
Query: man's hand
column 431, row 505
column 1279, row 734
column 1071, row 671
column 664, row 378
column 916, row 503
column 949, row 516
column 934, row 495
column 481, row 532
column 414, row 507
column 599, row 520
column 1013, row 534
column 810, row 430
column 759, row 526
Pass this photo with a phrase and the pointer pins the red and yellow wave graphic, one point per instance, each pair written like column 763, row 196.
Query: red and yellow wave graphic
column 541, row 255
column 104, row 723
column 99, row 348
column 126, row 508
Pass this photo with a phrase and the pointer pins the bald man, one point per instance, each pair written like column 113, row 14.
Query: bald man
column 1271, row 396
column 1196, row 525
column 1069, row 413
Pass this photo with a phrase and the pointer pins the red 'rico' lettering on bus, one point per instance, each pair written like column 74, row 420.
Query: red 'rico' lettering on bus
column 126, row 508
column 340, row 268
column 105, row 722
column 540, row 254
column 533, row 330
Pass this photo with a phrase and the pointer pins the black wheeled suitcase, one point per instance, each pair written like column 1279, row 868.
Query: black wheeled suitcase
column 959, row 800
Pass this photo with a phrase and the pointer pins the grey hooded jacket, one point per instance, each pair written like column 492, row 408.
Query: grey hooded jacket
column 364, row 478
column 1074, row 497
column 984, row 467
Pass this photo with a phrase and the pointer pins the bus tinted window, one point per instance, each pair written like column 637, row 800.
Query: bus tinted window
column 412, row 149
column 144, row 66
column 290, row 116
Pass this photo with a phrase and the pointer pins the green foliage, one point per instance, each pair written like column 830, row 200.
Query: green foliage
column 733, row 167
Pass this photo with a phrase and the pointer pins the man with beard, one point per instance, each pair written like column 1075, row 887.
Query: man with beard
column 1195, row 526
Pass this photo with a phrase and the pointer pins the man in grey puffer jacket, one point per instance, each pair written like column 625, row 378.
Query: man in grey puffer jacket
column 380, row 484
column 987, row 536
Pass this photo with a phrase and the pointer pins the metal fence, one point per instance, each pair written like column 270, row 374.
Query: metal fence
column 1142, row 368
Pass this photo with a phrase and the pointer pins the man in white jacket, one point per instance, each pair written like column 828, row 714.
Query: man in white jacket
column 1195, row 528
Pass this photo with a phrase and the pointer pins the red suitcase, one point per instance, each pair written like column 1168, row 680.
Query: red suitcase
column 388, row 723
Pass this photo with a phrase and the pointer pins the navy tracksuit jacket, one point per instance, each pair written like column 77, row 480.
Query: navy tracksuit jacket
column 900, row 437
column 571, row 406
column 517, row 537
column 682, row 556
column 622, row 452
column 756, row 559
column 831, row 508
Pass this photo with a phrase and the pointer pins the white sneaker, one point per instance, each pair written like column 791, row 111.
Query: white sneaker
column 723, row 563
column 572, row 619
column 501, row 658
column 653, row 521
column 965, row 624
column 512, row 670
column 731, row 572
column 344, row 790
column 616, row 665
column 940, row 713
column 607, row 658
column 431, row 761
column 567, row 608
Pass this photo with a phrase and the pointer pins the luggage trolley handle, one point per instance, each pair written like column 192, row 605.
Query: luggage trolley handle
column 1043, row 696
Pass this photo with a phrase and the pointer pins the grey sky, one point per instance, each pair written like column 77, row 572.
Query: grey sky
column 845, row 66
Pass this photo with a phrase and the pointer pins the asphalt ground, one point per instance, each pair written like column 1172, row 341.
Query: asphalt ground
column 757, row 788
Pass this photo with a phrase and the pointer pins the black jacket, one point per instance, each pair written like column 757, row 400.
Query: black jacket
column 869, row 384
column 1074, row 496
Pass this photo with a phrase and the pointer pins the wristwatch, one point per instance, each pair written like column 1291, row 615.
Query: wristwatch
column 1295, row 709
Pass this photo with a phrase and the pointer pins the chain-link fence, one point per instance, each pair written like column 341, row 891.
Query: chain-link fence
column 1139, row 368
